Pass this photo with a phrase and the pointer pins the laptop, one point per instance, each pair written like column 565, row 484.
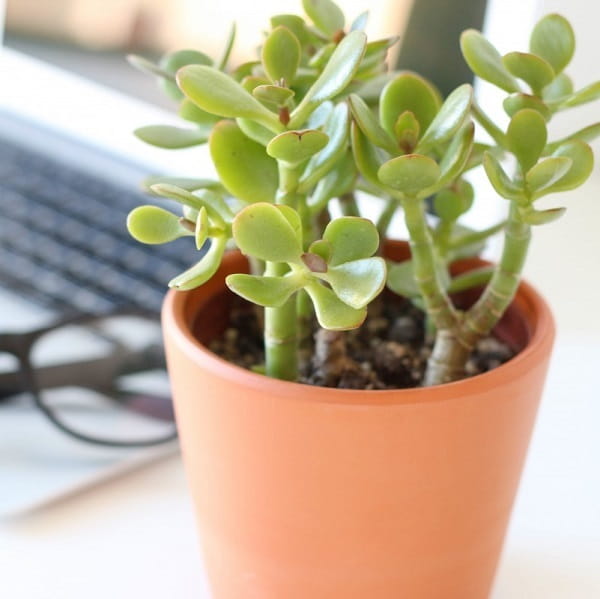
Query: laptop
column 70, row 170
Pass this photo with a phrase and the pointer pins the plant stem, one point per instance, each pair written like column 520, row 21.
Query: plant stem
column 348, row 205
column 488, row 310
column 437, row 303
column 281, row 344
column 281, row 327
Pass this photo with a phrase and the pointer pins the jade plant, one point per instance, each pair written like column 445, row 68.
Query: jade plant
column 318, row 118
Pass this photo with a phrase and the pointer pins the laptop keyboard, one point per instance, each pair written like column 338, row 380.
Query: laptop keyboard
column 63, row 240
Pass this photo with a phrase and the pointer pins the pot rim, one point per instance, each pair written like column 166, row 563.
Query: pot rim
column 528, row 302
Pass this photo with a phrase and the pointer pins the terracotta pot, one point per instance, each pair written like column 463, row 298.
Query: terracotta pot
column 312, row 493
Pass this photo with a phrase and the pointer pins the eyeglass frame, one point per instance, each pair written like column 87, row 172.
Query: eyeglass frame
column 20, row 344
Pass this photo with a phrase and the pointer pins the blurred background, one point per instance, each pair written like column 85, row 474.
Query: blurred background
column 90, row 37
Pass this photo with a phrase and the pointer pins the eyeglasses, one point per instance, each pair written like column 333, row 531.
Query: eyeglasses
column 100, row 379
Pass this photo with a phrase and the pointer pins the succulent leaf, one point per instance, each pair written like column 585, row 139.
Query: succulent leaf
column 332, row 313
column 547, row 172
column 173, row 61
column 450, row 203
column 582, row 165
column 222, row 63
column 586, row 94
column 526, row 137
column 515, row 102
column 187, row 183
column 360, row 22
column 457, row 154
column 264, row 232
column 407, row 130
column 203, row 270
column 295, row 147
column 532, row 69
column 154, row 225
column 273, row 95
column 500, row 181
column 335, row 77
column 337, row 129
column 401, row 279
column 410, row 173
column 190, row 112
column 351, row 238
column 540, row 217
column 202, row 228
column 281, row 55
column 167, row 136
column 326, row 15
column 368, row 160
column 561, row 87
column 219, row 94
column 449, row 119
column 586, row 134
column 357, row 282
column 243, row 166
column 368, row 124
column 553, row 40
column 322, row 248
column 408, row 91
column 295, row 24
column 271, row 292
column 485, row 61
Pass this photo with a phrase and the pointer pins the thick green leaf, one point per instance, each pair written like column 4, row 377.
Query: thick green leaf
column 173, row 61
column 338, row 181
column 515, row 102
column 295, row 24
column 367, row 158
column 407, row 130
column 172, row 138
column 321, row 248
column 401, row 279
column 449, row 119
column 203, row 270
column 583, row 96
column 154, row 225
column 368, row 124
column 202, row 228
column 357, row 282
column 332, row 313
column 254, row 131
column 321, row 57
column 532, row 69
column 263, row 231
column 360, row 23
column 337, row 128
column 410, row 173
column 553, row 40
column 547, row 172
column 408, row 91
column 457, row 154
column 501, row 182
column 281, row 55
column 561, row 87
column 222, row 63
column 190, row 112
column 451, row 203
column 326, row 15
column 294, row 147
column 251, row 82
column 586, row 134
column 219, row 94
column 485, row 61
column 271, row 292
column 273, row 95
column 217, row 209
column 335, row 77
column 540, row 217
column 583, row 164
column 187, row 183
column 526, row 137
column 351, row 238
column 244, row 167
column 146, row 66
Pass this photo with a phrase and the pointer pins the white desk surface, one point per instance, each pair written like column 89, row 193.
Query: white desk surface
column 135, row 536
